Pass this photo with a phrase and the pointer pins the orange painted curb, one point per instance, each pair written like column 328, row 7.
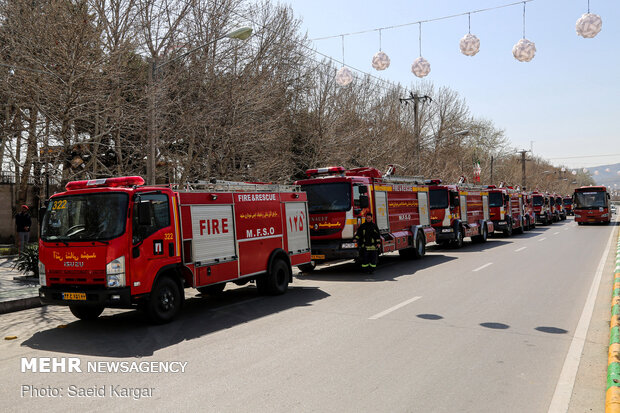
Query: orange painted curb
column 614, row 353
column 615, row 321
column 612, row 400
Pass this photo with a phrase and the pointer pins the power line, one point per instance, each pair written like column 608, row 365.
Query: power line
column 423, row 21
column 587, row 156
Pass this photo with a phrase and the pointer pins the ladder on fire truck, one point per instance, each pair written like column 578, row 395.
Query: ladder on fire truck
column 232, row 186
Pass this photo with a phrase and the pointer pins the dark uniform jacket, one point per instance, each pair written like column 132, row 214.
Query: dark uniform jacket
column 22, row 220
column 368, row 235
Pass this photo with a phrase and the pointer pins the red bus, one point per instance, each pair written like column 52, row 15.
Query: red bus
column 591, row 205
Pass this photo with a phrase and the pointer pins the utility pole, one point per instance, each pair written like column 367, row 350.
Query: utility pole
column 416, row 99
column 491, row 169
column 523, row 181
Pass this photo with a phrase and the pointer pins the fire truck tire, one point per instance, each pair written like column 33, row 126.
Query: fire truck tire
column 164, row 301
column 307, row 268
column 458, row 238
column 520, row 229
column 420, row 249
column 508, row 230
column 212, row 290
column 276, row 280
column 86, row 312
column 482, row 237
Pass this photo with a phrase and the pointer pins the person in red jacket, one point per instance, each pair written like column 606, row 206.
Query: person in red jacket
column 368, row 240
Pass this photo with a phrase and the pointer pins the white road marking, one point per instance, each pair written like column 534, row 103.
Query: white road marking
column 555, row 233
column 566, row 229
column 564, row 388
column 484, row 266
column 396, row 307
column 542, row 239
column 520, row 249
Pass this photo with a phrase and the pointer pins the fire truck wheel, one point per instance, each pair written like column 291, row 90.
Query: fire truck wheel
column 458, row 241
column 508, row 230
column 212, row 290
column 164, row 301
column 482, row 237
column 420, row 249
column 519, row 230
column 276, row 280
column 307, row 268
column 86, row 312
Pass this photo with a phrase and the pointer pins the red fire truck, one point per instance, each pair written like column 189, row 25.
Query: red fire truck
column 506, row 207
column 559, row 207
column 459, row 211
column 567, row 201
column 528, row 211
column 118, row 243
column 591, row 205
column 338, row 199
column 542, row 209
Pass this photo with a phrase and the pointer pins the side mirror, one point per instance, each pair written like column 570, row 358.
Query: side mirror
column 144, row 213
column 363, row 189
column 364, row 202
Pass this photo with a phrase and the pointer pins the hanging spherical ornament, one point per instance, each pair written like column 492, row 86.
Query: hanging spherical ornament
column 420, row 67
column 589, row 25
column 607, row 170
column 470, row 45
column 585, row 170
column 524, row 50
column 574, row 172
column 344, row 76
column 595, row 172
column 380, row 61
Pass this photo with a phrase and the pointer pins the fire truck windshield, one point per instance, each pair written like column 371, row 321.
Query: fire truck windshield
column 538, row 201
column 328, row 197
column 590, row 200
column 568, row 201
column 438, row 198
column 496, row 199
column 86, row 217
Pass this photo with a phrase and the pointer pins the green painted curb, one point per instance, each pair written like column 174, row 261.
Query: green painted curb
column 614, row 335
column 615, row 310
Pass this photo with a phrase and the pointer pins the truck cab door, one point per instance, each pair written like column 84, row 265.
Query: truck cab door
column 153, row 242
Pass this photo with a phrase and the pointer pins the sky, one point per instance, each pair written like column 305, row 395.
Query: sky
column 565, row 103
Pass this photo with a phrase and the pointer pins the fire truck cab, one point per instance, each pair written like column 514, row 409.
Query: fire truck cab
column 542, row 209
column 559, row 205
column 567, row 201
column 118, row 243
column 459, row 211
column 338, row 200
column 506, row 206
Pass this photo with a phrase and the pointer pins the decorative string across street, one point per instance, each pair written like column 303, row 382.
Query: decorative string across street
column 587, row 26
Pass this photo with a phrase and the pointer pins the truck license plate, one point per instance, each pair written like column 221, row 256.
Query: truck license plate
column 317, row 257
column 74, row 296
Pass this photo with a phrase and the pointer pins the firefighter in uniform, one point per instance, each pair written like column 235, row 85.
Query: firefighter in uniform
column 368, row 239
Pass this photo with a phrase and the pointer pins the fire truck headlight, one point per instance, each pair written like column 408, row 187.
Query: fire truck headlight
column 115, row 273
column 577, row 216
column 42, row 280
column 604, row 215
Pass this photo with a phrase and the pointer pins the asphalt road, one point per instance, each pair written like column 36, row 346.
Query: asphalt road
column 486, row 328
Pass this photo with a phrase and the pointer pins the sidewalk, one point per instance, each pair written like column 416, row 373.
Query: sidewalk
column 17, row 292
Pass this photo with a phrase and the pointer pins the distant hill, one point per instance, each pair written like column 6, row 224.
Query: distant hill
column 602, row 177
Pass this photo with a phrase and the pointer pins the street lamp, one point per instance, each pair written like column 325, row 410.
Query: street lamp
column 242, row 33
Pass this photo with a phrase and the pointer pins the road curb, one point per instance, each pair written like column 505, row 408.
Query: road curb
column 612, row 398
column 20, row 304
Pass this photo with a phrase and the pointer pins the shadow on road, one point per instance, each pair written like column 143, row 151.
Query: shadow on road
column 495, row 326
column 129, row 334
column 389, row 268
column 551, row 330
